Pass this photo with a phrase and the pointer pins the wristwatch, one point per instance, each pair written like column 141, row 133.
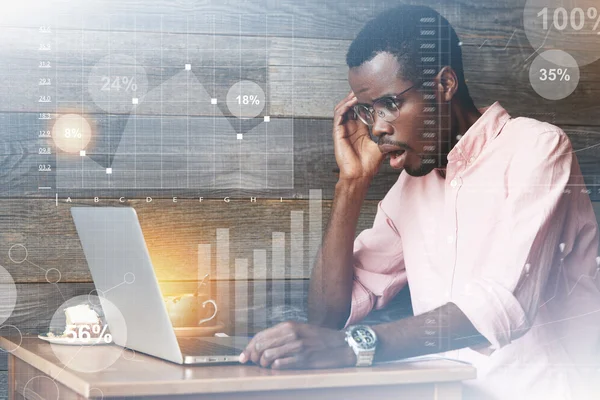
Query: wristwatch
column 363, row 341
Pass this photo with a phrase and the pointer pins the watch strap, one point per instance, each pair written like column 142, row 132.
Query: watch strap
column 364, row 358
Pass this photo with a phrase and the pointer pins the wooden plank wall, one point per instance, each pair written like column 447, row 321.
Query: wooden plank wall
column 296, row 52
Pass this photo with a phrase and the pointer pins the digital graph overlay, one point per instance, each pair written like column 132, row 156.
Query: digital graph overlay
column 161, row 110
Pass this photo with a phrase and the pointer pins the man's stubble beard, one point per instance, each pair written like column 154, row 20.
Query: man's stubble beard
column 424, row 169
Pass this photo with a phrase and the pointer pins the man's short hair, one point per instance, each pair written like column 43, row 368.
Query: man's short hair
column 413, row 34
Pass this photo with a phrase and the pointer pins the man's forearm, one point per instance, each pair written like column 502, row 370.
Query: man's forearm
column 443, row 329
column 330, row 292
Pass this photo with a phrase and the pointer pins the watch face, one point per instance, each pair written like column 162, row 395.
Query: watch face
column 363, row 338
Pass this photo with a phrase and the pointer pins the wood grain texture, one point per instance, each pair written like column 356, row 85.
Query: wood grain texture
column 3, row 385
column 189, row 160
column 36, row 236
column 300, row 77
column 492, row 74
column 172, row 232
column 296, row 52
column 311, row 19
column 314, row 163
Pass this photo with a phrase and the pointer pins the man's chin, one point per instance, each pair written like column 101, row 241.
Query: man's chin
column 423, row 170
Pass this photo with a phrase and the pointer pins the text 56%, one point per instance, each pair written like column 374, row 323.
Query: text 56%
column 84, row 332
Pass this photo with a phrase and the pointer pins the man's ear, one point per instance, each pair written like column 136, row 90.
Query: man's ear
column 446, row 83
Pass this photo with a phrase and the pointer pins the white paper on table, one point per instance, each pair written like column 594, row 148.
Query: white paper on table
column 428, row 357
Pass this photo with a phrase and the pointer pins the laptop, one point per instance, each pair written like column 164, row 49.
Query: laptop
column 122, row 272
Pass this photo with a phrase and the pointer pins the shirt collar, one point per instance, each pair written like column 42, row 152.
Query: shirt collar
column 486, row 128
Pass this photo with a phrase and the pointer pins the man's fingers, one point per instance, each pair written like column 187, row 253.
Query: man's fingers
column 350, row 96
column 267, row 339
column 258, row 347
column 270, row 344
column 288, row 362
column 338, row 118
column 343, row 106
column 249, row 353
column 284, row 351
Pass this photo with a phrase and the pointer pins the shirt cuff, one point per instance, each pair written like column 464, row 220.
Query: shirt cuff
column 493, row 310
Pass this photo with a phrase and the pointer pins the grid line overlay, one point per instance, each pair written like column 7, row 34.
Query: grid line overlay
column 179, row 134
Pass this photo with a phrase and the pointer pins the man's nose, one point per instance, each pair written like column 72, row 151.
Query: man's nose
column 381, row 127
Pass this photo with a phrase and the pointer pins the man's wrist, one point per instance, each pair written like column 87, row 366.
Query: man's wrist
column 350, row 358
column 347, row 355
column 354, row 186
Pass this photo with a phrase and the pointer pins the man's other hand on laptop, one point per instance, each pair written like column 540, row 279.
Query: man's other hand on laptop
column 290, row 345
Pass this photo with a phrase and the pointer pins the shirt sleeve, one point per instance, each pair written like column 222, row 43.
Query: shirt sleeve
column 379, row 271
column 502, row 298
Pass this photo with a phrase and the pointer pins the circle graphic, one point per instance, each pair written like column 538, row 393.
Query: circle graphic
column 117, row 82
column 94, row 297
column 17, row 253
column 11, row 330
column 96, row 393
column 245, row 99
column 71, row 133
column 554, row 74
column 8, row 299
column 87, row 321
column 129, row 278
column 129, row 354
column 53, row 276
column 572, row 26
column 29, row 389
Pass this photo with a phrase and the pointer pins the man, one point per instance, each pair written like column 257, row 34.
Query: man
column 487, row 224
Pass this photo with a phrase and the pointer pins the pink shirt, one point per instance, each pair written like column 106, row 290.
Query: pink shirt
column 510, row 237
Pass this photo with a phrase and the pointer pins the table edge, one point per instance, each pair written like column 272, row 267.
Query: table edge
column 334, row 378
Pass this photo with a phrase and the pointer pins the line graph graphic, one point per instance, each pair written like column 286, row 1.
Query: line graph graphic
column 186, row 152
column 561, row 277
column 166, row 110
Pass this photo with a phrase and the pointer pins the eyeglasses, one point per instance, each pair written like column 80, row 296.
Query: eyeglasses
column 385, row 107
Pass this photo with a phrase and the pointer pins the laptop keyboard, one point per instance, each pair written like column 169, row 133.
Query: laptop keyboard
column 199, row 347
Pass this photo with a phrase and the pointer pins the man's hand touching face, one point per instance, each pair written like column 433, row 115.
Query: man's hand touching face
column 357, row 156
column 292, row 345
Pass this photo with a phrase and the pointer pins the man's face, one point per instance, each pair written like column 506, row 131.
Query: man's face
column 406, row 141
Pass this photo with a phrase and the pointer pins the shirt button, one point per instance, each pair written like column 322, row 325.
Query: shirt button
column 471, row 160
column 450, row 239
column 453, row 183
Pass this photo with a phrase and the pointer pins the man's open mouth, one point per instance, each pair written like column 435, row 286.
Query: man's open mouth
column 394, row 154
column 397, row 155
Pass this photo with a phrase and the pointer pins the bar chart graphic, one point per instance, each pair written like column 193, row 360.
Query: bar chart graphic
column 256, row 291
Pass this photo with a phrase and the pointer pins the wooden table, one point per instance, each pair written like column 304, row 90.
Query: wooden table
column 36, row 373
